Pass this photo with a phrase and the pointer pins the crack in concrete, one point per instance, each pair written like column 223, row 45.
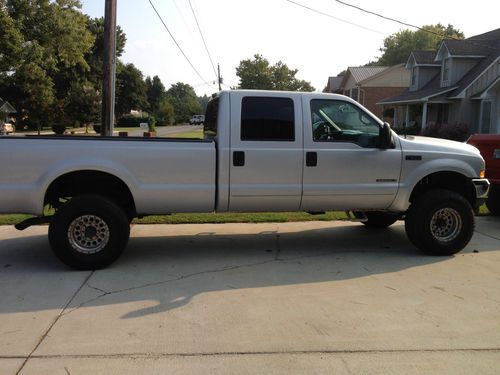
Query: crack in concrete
column 488, row 235
column 61, row 313
column 183, row 277
column 254, row 353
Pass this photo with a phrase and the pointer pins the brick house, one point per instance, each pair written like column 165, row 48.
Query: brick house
column 369, row 85
column 459, row 83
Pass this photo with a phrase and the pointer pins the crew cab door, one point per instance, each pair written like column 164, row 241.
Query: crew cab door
column 266, row 152
column 344, row 167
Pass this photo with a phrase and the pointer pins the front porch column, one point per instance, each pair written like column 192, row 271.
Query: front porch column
column 424, row 116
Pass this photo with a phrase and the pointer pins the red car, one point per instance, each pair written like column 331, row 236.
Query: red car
column 489, row 146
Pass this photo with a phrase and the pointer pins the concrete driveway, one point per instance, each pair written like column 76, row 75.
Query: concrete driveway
column 310, row 298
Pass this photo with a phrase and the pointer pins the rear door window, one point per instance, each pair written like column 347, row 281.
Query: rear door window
column 267, row 119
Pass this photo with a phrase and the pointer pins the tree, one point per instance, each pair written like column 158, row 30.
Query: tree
column 165, row 113
column 156, row 93
column 184, row 100
column 40, row 40
column 398, row 46
column 259, row 74
column 83, row 103
column 95, row 57
column 130, row 90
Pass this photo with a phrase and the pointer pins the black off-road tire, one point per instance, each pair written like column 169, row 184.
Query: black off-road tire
column 440, row 222
column 493, row 201
column 89, row 232
column 380, row 219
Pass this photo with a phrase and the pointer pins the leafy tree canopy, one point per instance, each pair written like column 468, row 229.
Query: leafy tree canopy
column 130, row 90
column 258, row 74
column 398, row 46
column 184, row 100
column 39, row 40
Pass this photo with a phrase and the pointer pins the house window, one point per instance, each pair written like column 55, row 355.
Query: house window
column 446, row 70
column 267, row 119
column 414, row 76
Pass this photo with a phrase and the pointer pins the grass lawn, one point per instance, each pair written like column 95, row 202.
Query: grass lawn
column 192, row 134
column 260, row 217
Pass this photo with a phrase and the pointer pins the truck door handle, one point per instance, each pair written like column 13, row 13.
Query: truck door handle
column 238, row 158
column 311, row 159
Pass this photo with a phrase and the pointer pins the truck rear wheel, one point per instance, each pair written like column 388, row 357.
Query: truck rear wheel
column 440, row 222
column 493, row 201
column 89, row 232
column 380, row 219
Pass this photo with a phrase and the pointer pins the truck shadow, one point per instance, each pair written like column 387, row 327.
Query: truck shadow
column 172, row 270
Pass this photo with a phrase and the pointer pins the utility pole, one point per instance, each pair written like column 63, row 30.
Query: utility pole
column 219, row 78
column 109, row 68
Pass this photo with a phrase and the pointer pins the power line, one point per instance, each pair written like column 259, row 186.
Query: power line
column 335, row 18
column 203, row 39
column 442, row 36
column 175, row 41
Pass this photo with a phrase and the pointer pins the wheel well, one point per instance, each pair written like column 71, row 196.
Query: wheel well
column 446, row 180
column 91, row 182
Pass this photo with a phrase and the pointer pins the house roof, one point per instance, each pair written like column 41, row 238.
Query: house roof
column 423, row 57
column 360, row 73
column 432, row 88
column 334, row 83
column 6, row 107
column 486, row 45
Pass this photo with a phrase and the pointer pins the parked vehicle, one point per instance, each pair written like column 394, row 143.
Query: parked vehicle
column 6, row 128
column 263, row 151
column 197, row 120
column 489, row 146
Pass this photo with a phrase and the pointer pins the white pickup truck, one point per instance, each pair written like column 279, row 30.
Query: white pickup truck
column 263, row 151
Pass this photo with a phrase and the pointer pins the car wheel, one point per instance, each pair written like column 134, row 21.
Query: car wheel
column 440, row 222
column 89, row 232
column 379, row 219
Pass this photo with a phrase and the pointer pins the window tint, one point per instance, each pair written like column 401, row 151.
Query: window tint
column 210, row 123
column 339, row 121
column 267, row 119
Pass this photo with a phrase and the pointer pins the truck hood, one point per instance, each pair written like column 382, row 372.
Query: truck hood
column 414, row 143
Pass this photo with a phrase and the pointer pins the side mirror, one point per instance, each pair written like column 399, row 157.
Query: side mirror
column 385, row 136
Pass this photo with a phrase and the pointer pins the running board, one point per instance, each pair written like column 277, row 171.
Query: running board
column 33, row 221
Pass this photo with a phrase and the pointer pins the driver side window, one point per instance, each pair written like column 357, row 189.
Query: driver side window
column 340, row 121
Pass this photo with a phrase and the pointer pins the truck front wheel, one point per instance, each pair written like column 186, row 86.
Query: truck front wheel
column 440, row 222
column 89, row 232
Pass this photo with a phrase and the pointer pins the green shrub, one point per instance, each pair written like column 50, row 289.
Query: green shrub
column 455, row 132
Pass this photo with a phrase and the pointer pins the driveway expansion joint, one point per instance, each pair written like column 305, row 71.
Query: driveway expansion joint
column 250, row 353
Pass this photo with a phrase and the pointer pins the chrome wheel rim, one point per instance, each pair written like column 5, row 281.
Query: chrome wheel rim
column 446, row 224
column 88, row 234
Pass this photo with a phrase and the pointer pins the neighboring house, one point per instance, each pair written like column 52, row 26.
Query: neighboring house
column 333, row 85
column 6, row 110
column 370, row 84
column 458, row 83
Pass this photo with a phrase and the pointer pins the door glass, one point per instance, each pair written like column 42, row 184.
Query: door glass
column 339, row 121
column 267, row 119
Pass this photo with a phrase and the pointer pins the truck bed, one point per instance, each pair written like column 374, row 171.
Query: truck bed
column 163, row 175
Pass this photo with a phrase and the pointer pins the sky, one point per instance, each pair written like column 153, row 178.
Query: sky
column 234, row 30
